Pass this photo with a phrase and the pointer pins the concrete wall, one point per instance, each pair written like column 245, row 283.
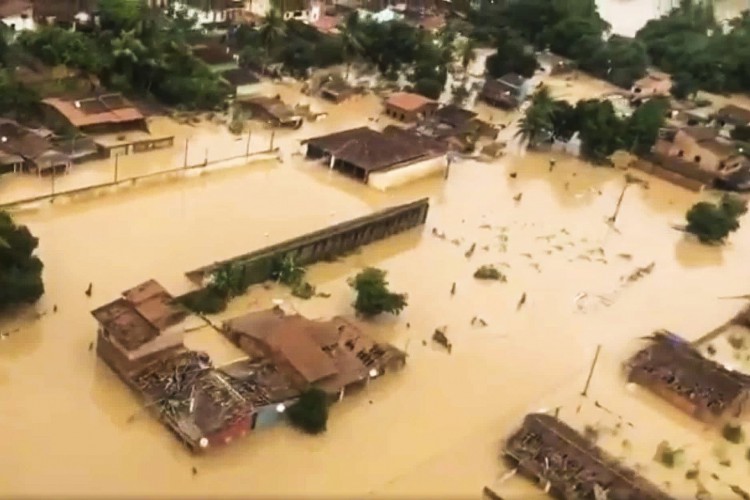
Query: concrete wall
column 335, row 240
column 403, row 175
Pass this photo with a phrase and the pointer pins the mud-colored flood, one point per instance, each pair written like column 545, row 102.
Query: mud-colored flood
column 431, row 430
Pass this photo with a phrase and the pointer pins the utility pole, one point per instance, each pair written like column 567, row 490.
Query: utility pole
column 591, row 371
column 247, row 146
column 117, row 161
column 273, row 135
column 613, row 219
column 184, row 165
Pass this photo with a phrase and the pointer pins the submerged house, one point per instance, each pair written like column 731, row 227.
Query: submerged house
column 17, row 15
column 654, row 84
column 241, row 81
column 700, row 153
column 674, row 370
column 377, row 158
column 271, row 110
column 457, row 127
column 567, row 465
column 731, row 116
column 95, row 114
column 24, row 149
column 409, row 107
column 334, row 356
column 507, row 92
column 142, row 325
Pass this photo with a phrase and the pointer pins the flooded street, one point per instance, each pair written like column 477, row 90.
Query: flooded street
column 431, row 430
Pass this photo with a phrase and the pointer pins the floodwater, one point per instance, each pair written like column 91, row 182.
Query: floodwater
column 432, row 430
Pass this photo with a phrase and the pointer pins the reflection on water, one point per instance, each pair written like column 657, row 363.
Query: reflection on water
column 432, row 428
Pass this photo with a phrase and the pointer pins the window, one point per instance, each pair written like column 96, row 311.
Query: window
column 680, row 153
column 697, row 159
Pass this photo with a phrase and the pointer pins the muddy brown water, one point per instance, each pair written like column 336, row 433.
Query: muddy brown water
column 432, row 429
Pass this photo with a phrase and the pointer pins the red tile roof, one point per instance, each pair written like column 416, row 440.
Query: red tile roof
column 110, row 108
column 408, row 101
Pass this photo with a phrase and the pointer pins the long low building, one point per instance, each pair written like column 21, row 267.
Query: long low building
column 381, row 159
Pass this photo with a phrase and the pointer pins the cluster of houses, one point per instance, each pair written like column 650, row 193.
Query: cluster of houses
column 72, row 130
column 141, row 338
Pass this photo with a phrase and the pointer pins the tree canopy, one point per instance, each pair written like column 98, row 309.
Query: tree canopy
column 711, row 223
column 373, row 296
column 20, row 269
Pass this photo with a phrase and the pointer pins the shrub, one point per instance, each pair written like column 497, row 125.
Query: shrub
column 712, row 222
column 204, row 301
column 489, row 272
column 373, row 296
column 310, row 413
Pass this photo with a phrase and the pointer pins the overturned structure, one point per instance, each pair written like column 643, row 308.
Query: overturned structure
column 571, row 467
column 674, row 370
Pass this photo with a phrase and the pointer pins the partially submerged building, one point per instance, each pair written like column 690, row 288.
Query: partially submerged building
column 142, row 325
column 732, row 116
column 409, row 107
column 271, row 110
column 699, row 153
column 675, row 371
column 334, row 356
column 507, row 92
column 393, row 156
column 23, row 149
column 241, row 81
column 554, row 64
column 567, row 465
column 654, row 84
column 94, row 114
column 336, row 90
column 457, row 127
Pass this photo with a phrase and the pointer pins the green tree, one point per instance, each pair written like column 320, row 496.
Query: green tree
column 536, row 126
column 428, row 87
column 466, row 53
column 711, row 223
column 644, row 124
column 684, row 86
column 351, row 45
column 373, row 296
column 272, row 30
column 121, row 15
column 511, row 56
column 20, row 270
column 600, row 129
column 310, row 413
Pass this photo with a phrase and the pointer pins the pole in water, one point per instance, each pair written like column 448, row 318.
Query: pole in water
column 247, row 146
column 591, row 371
column 117, row 160
column 619, row 203
column 273, row 135
column 184, row 165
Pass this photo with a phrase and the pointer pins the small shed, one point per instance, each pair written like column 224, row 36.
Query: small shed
column 336, row 90
column 409, row 107
column 271, row 110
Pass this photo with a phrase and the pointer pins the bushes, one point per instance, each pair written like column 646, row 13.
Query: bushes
column 20, row 270
column 712, row 222
column 373, row 296
column 310, row 413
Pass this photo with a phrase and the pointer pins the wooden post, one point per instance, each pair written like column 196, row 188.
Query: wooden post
column 247, row 146
column 205, row 158
column 273, row 135
column 117, row 161
column 591, row 371
column 186, row 153
column 613, row 219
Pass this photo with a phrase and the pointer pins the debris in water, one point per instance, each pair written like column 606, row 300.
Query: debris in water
column 626, row 444
column 513, row 175
column 736, row 342
column 453, row 288
column 527, row 255
column 408, row 325
column 323, row 295
column 195, row 471
column 691, row 474
column 584, row 257
column 470, row 251
column 54, row 308
column 437, row 233
column 517, row 198
column 536, row 266
column 546, row 237
column 440, row 338
column 89, row 290
column 666, row 455
column 485, row 226
column 625, row 256
column 456, row 241
column 710, row 349
column 740, row 492
column 591, row 433
column 473, row 320
column 91, row 345
column 733, row 433
column 640, row 272
column 489, row 272
column 726, row 463
column 486, row 248
column 521, row 302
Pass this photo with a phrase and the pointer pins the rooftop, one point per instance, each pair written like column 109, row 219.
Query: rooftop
column 18, row 140
column 453, row 115
column 10, row 8
column 213, row 53
column 408, row 101
column 513, row 79
column 103, row 109
column 371, row 150
column 734, row 114
column 140, row 315
column 330, row 354
column 239, row 76
column 272, row 105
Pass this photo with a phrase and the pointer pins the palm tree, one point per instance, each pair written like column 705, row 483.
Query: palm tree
column 351, row 45
column 536, row 125
column 128, row 49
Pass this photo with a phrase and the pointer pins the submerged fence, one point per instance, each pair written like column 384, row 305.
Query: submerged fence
column 268, row 153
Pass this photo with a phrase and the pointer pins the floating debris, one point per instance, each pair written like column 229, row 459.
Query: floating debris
column 456, row 241
column 711, row 350
column 640, row 272
column 323, row 295
column 591, row 433
column 536, row 266
column 691, row 474
column 666, row 455
column 739, row 492
column 559, row 248
column 546, row 237
column 470, row 251
column 439, row 337
column 517, row 198
column 437, row 233
column 584, row 257
column 453, row 288
column 195, row 471
column 91, row 345
column 521, row 302
column 485, row 226
column 527, row 255
column 625, row 256
column 89, row 290
column 489, row 272
column 733, row 433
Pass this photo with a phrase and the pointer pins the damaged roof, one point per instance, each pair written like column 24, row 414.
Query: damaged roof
column 734, row 114
column 98, row 110
column 140, row 315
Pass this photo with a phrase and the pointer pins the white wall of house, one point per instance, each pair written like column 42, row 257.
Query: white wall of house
column 202, row 16
column 172, row 337
column 406, row 174
column 260, row 7
column 20, row 23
